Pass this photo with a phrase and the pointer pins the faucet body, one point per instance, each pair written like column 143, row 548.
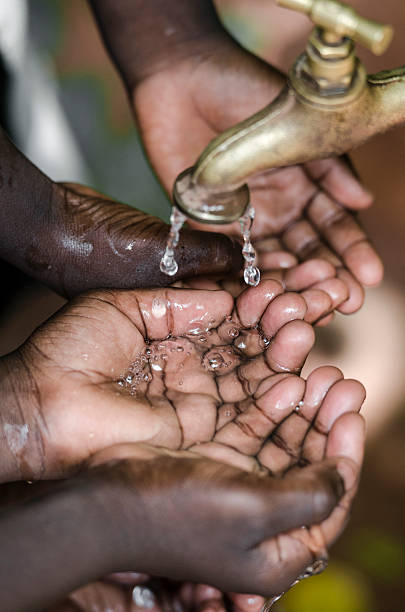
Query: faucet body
column 327, row 107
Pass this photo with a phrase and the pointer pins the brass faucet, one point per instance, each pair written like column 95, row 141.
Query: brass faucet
column 328, row 106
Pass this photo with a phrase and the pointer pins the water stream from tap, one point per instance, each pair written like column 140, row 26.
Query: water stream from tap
column 251, row 273
column 168, row 264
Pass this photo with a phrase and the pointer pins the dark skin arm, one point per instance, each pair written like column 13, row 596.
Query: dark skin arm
column 170, row 514
column 73, row 239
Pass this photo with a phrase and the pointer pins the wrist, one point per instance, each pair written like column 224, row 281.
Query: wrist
column 21, row 443
column 72, row 528
column 144, row 38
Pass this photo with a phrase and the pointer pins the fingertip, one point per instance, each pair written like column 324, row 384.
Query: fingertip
column 205, row 253
column 346, row 441
column 337, row 177
column 365, row 264
column 356, row 293
column 246, row 603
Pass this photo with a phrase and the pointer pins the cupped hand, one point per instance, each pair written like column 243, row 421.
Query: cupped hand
column 240, row 529
column 302, row 212
column 194, row 370
column 167, row 367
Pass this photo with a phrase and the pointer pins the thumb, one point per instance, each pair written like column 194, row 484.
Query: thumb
column 125, row 246
column 306, row 496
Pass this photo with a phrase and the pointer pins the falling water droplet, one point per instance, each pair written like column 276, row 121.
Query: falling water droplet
column 168, row 264
column 251, row 272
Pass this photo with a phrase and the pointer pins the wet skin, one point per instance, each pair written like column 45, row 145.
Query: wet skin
column 241, row 413
column 198, row 82
column 302, row 212
column 73, row 239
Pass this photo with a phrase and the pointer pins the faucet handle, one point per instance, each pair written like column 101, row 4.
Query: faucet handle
column 340, row 20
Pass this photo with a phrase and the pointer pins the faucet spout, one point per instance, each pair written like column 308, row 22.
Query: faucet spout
column 328, row 106
column 292, row 130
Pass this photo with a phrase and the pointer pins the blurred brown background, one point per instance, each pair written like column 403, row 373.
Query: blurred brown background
column 368, row 564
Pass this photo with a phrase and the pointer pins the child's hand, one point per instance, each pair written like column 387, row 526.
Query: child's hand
column 302, row 212
column 170, row 367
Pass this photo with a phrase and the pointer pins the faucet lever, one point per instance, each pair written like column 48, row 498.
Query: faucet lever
column 339, row 20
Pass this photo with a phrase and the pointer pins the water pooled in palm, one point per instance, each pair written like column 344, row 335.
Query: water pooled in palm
column 251, row 273
column 168, row 264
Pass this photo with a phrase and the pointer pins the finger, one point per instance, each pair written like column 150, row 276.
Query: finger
column 248, row 430
column 344, row 234
column 325, row 320
column 228, row 455
column 338, row 179
column 314, row 493
column 284, row 448
column 318, row 304
column 336, row 289
column 303, row 497
column 356, row 293
column 186, row 595
column 271, row 255
column 343, row 397
column 208, row 599
column 198, row 253
column 246, row 603
column 123, row 247
column 252, row 303
column 289, row 349
column 317, row 386
column 284, row 308
column 176, row 312
column 281, row 313
column 307, row 274
column 304, row 241
column 346, row 442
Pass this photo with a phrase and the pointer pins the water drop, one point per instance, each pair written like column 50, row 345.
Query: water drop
column 168, row 264
column 233, row 332
column 121, row 383
column 129, row 378
column 228, row 413
column 147, row 377
column 251, row 273
column 156, row 367
column 180, row 349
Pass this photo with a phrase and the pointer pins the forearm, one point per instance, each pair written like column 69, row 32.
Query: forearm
column 57, row 542
column 25, row 207
column 145, row 37
column 21, row 445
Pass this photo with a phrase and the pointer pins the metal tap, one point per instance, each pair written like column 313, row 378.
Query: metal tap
column 328, row 106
